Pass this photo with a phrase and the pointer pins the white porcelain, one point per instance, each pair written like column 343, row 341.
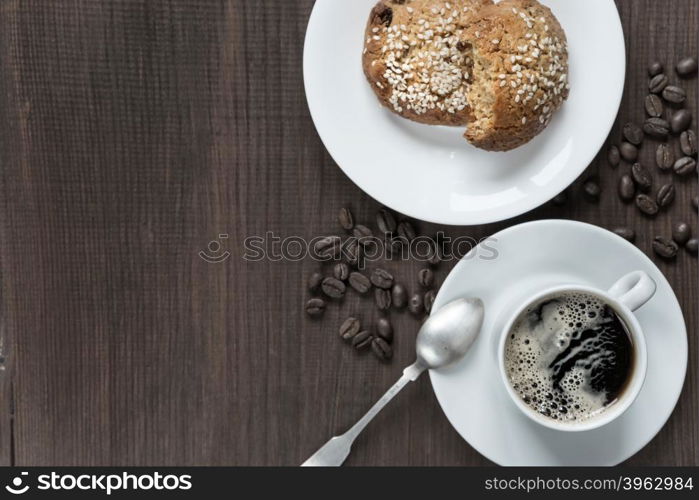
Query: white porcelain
column 629, row 293
column 532, row 257
column 432, row 173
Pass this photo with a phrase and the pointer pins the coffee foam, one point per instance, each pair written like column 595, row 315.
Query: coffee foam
column 566, row 358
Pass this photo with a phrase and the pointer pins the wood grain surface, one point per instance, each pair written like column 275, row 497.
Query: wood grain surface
column 133, row 133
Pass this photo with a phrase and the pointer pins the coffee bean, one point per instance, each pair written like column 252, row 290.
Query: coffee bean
column 428, row 300
column 315, row 307
column 384, row 329
column 381, row 349
column 328, row 247
column 658, row 83
column 362, row 340
column 416, row 305
column 614, row 156
column 349, row 328
column 399, row 296
column 341, row 271
column 695, row 203
column 685, row 166
column 657, row 128
column 562, row 198
column 385, row 221
column 382, row 279
column 382, row 298
column 425, row 278
column 665, row 248
column 674, row 94
column 359, row 282
column 686, row 67
column 362, row 233
column 353, row 252
column 646, row 204
column 591, row 190
column 633, row 133
column 692, row 246
column 681, row 232
column 345, row 219
column 627, row 233
column 333, row 288
column 654, row 106
column 665, row 195
column 688, row 142
column 314, row 281
column 664, row 157
column 680, row 121
column 641, row 177
column 655, row 68
column 406, row 230
column 628, row 151
column 627, row 188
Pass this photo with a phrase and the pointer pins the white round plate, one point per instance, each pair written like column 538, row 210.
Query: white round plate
column 531, row 257
column 432, row 173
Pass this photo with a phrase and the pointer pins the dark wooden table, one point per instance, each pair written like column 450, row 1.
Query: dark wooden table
column 132, row 133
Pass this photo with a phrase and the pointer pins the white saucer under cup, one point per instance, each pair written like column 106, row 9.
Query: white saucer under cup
column 432, row 173
column 531, row 257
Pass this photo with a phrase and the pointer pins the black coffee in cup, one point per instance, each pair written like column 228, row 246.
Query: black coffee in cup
column 569, row 356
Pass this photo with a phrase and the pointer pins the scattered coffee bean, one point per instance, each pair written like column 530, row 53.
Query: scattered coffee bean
column 685, row 165
column 658, row 83
column 633, row 133
column 657, row 128
column 385, row 329
column 362, row 340
column 681, row 233
column 647, row 205
column 314, row 281
column 654, row 106
column 352, row 252
column 315, row 307
column 349, row 328
column 385, row 221
column 614, row 156
column 674, row 94
column 381, row 349
column 591, row 190
column 641, row 177
column 686, row 67
column 628, row 151
column 428, row 300
column 328, row 247
column 664, row 156
column 361, row 232
column 399, row 296
column 341, row 271
column 333, row 288
column 425, row 278
column 695, row 203
column 359, row 282
column 416, row 305
column 382, row 298
column 688, row 142
column 680, row 121
column 655, row 68
column 665, row 195
column 345, row 219
column 562, row 198
column 665, row 248
column 382, row 279
column 627, row 233
column 406, row 230
column 692, row 246
column 626, row 188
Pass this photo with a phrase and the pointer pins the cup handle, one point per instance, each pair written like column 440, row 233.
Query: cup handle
column 634, row 289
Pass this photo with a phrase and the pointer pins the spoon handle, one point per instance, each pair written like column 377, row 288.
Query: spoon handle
column 334, row 452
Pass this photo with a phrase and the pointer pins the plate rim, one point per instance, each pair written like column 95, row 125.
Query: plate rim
column 630, row 247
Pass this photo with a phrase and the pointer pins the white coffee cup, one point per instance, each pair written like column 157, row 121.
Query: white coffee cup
column 627, row 295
